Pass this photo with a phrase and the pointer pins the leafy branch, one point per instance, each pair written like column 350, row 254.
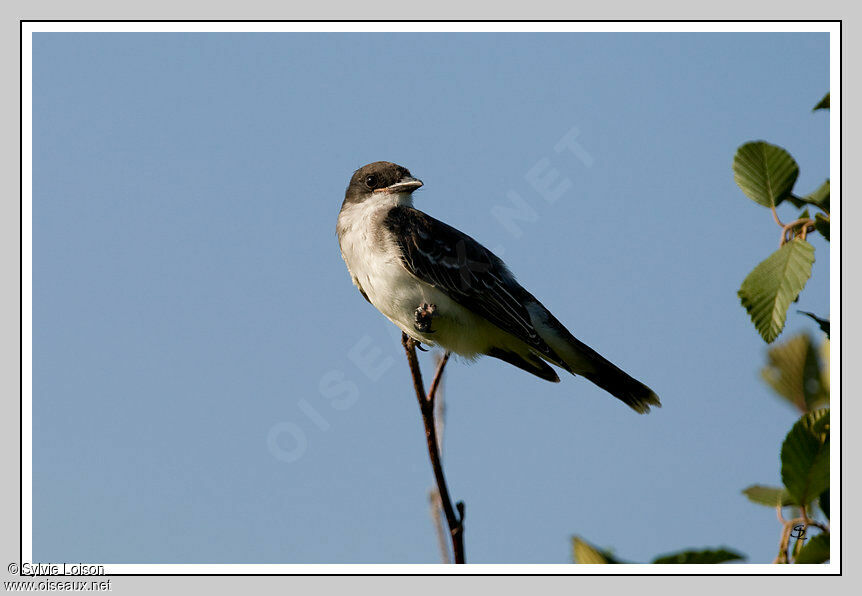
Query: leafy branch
column 767, row 174
column 795, row 369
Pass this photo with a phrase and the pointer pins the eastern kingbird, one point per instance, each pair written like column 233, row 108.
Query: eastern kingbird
column 441, row 287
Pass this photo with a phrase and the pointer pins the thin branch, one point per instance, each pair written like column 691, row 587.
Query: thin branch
column 785, row 539
column 812, row 522
column 787, row 529
column 433, row 493
column 788, row 231
column 435, row 382
column 775, row 217
column 426, row 405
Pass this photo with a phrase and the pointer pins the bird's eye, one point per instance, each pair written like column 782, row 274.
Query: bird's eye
column 371, row 181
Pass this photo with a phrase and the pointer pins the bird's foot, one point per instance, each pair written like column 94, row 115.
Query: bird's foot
column 422, row 317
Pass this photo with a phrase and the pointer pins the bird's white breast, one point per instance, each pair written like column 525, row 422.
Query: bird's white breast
column 374, row 262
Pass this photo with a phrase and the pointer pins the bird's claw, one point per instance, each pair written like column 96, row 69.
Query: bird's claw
column 422, row 317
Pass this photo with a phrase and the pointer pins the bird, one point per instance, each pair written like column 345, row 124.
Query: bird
column 443, row 288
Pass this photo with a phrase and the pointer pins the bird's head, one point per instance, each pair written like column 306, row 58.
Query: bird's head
column 381, row 179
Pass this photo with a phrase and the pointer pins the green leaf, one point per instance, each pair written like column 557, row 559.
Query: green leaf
column 823, row 323
column 793, row 371
column 820, row 424
column 805, row 457
column 815, row 551
column 823, row 104
column 823, row 500
column 821, row 224
column 586, row 554
column 819, row 197
column 696, row 557
column 768, row 495
column 776, row 282
column 765, row 173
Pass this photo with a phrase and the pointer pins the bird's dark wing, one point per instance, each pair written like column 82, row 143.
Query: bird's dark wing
column 466, row 271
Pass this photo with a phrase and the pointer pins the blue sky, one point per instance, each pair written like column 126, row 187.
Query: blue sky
column 208, row 386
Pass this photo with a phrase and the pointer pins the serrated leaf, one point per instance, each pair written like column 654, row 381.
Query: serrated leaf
column 820, row 424
column 815, row 551
column 821, row 224
column 586, row 554
column 699, row 557
column 766, row 173
column 822, row 323
column 823, row 104
column 805, row 457
column 793, row 371
column 768, row 290
column 768, row 495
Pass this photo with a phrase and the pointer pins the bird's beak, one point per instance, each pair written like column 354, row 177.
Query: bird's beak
column 404, row 185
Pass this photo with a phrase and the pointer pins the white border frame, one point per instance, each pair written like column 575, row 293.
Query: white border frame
column 28, row 28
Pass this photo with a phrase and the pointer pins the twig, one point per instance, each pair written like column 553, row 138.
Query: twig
column 811, row 522
column 438, row 377
column 433, row 493
column 804, row 224
column 775, row 217
column 426, row 405
column 785, row 539
column 788, row 527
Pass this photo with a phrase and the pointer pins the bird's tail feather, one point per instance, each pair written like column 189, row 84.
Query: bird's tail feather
column 632, row 392
column 580, row 359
